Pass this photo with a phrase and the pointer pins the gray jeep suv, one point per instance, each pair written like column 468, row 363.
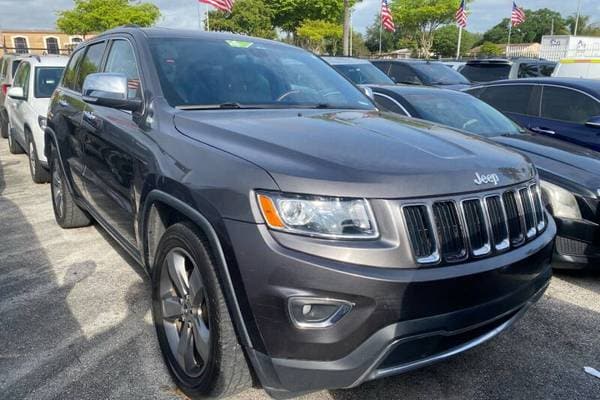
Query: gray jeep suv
column 296, row 237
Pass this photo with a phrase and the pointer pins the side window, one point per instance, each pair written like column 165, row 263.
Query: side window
column 52, row 45
column 90, row 63
column 3, row 68
column 568, row 105
column 22, row 78
column 388, row 105
column 528, row 70
column 121, row 59
column 509, row 98
column 384, row 66
column 21, row 45
column 70, row 76
column 476, row 92
column 403, row 74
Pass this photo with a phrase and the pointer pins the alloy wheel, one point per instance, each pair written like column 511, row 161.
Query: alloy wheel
column 57, row 191
column 185, row 312
column 32, row 160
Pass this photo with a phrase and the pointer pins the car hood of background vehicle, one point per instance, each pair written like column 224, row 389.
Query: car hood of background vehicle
column 555, row 157
column 355, row 153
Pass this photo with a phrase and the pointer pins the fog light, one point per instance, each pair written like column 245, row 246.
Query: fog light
column 311, row 312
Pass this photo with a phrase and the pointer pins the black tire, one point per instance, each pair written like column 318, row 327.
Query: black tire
column 39, row 174
column 3, row 127
column 225, row 372
column 67, row 214
column 13, row 146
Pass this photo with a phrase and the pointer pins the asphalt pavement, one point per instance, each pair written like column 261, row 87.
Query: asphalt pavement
column 75, row 323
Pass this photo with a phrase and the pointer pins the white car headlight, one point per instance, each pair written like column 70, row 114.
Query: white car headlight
column 562, row 201
column 326, row 217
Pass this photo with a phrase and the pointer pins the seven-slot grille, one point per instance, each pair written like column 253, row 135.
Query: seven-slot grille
column 449, row 231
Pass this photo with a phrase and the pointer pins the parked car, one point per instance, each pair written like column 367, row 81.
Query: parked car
column 290, row 229
column 487, row 70
column 570, row 173
column 359, row 71
column 27, row 105
column 8, row 66
column 421, row 72
column 564, row 108
column 586, row 68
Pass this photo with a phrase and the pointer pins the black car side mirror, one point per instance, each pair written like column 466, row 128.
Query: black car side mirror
column 109, row 90
column 593, row 122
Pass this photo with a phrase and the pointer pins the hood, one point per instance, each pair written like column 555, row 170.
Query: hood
column 552, row 157
column 355, row 153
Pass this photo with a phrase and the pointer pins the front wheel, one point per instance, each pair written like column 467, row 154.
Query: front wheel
column 3, row 127
column 66, row 212
column 194, row 328
column 39, row 174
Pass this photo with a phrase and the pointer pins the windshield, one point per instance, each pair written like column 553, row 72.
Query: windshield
column 463, row 112
column 486, row 72
column 439, row 74
column 364, row 74
column 46, row 79
column 218, row 73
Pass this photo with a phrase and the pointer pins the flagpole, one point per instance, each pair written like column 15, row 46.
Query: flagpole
column 207, row 18
column 459, row 40
column 351, row 32
column 380, row 27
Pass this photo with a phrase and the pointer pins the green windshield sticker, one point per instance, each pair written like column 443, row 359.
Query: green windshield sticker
column 239, row 43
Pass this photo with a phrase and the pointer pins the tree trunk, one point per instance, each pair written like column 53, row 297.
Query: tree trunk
column 346, row 27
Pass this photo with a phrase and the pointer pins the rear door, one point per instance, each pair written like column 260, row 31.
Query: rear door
column 112, row 140
column 517, row 101
column 563, row 114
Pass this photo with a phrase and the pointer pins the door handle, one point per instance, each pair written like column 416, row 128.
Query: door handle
column 543, row 130
column 89, row 116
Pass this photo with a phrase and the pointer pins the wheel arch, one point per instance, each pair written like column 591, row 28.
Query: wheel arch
column 160, row 211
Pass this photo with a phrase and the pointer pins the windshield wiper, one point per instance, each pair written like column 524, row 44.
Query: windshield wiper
column 222, row 106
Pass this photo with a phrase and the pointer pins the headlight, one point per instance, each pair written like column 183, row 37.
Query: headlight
column 42, row 122
column 326, row 217
column 562, row 201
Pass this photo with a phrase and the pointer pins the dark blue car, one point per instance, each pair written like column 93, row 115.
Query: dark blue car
column 564, row 108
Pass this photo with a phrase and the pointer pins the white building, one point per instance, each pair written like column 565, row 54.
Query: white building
column 556, row 47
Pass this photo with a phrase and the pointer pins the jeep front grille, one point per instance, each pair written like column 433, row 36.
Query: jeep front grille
column 452, row 230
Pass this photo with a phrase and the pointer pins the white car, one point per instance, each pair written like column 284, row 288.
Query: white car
column 27, row 104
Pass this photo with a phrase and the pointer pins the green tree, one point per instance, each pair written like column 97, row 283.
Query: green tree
column 537, row 24
column 584, row 28
column 288, row 15
column 99, row 15
column 421, row 18
column 490, row 49
column 445, row 40
column 389, row 40
column 320, row 36
column 248, row 17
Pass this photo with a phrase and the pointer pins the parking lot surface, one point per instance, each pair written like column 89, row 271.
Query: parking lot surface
column 75, row 323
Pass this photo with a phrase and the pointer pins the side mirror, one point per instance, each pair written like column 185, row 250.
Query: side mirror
column 109, row 90
column 367, row 91
column 593, row 122
column 16, row 93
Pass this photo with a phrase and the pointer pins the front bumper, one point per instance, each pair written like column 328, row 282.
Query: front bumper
column 402, row 318
column 577, row 244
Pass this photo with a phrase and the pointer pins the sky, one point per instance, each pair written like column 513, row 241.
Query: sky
column 17, row 14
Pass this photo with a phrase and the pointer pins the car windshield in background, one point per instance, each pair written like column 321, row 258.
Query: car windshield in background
column 463, row 112
column 364, row 74
column 206, row 74
column 486, row 72
column 439, row 74
column 46, row 79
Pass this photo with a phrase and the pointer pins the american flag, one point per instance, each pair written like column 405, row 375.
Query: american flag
column 387, row 21
column 518, row 15
column 461, row 15
column 223, row 5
